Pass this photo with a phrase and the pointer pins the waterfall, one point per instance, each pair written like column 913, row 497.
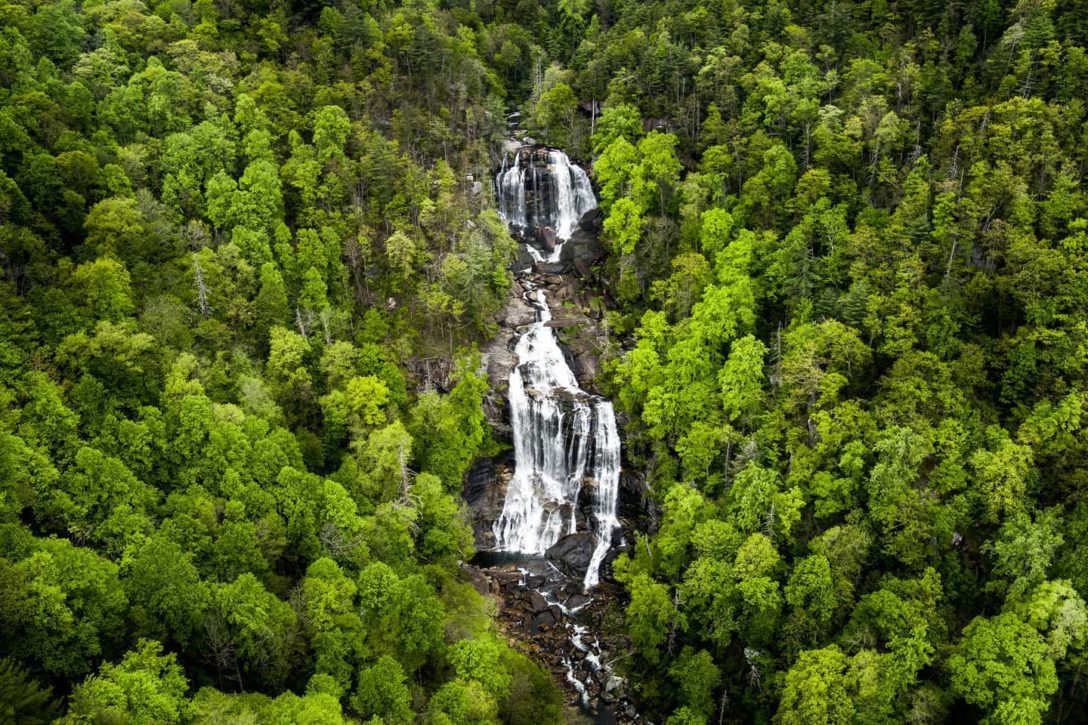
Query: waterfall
column 606, row 468
column 538, row 188
column 563, row 436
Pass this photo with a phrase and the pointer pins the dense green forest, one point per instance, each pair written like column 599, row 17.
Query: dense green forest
column 848, row 268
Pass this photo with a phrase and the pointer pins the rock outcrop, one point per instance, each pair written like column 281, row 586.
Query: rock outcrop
column 572, row 553
column 432, row 373
column 485, row 492
column 584, row 249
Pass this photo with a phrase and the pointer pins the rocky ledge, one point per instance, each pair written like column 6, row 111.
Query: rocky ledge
column 578, row 256
column 541, row 603
column 485, row 491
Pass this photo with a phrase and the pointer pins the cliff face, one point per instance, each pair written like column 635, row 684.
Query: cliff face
column 542, row 196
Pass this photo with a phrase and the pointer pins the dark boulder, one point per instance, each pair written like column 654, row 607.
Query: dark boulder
column 523, row 260
column 591, row 220
column 505, row 577
column 537, row 603
column 572, row 553
column 550, row 267
column 546, row 239
column 517, row 313
column 544, row 620
column 477, row 578
column 582, row 251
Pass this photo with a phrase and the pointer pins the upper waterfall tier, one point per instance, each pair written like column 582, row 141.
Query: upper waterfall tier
column 541, row 189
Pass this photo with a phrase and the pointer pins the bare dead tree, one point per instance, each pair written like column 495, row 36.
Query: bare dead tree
column 301, row 323
column 201, row 288
column 325, row 325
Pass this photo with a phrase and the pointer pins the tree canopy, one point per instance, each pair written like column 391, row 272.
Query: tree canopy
column 847, row 271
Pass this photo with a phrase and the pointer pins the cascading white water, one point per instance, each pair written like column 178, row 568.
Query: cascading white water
column 565, row 438
column 606, row 467
column 560, row 192
column 562, row 437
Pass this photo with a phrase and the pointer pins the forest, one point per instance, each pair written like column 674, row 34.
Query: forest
column 847, row 279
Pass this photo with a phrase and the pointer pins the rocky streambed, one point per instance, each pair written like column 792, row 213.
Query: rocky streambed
column 573, row 634
column 542, row 606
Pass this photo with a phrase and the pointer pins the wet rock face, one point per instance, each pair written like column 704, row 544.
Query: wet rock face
column 485, row 492
column 636, row 505
column 546, row 239
column 577, row 317
column 584, row 248
column 538, row 189
column 591, row 221
column 578, row 255
column 517, row 314
column 541, row 600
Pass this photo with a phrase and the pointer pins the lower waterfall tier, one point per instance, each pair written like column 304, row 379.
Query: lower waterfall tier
column 564, row 439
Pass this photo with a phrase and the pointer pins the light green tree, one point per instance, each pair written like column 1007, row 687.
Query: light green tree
column 146, row 687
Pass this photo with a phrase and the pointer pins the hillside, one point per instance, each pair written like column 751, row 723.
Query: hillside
column 251, row 251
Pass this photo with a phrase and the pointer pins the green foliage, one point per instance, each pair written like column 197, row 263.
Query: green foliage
column 402, row 617
column 617, row 121
column 853, row 381
column 1002, row 665
column 651, row 615
column 146, row 687
column 478, row 660
column 815, row 690
column 847, row 243
column 72, row 609
column 103, row 288
column 24, row 699
column 231, row 261
column 382, row 693
column 164, row 589
column 555, row 112
column 252, row 632
column 697, row 677
column 463, row 703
